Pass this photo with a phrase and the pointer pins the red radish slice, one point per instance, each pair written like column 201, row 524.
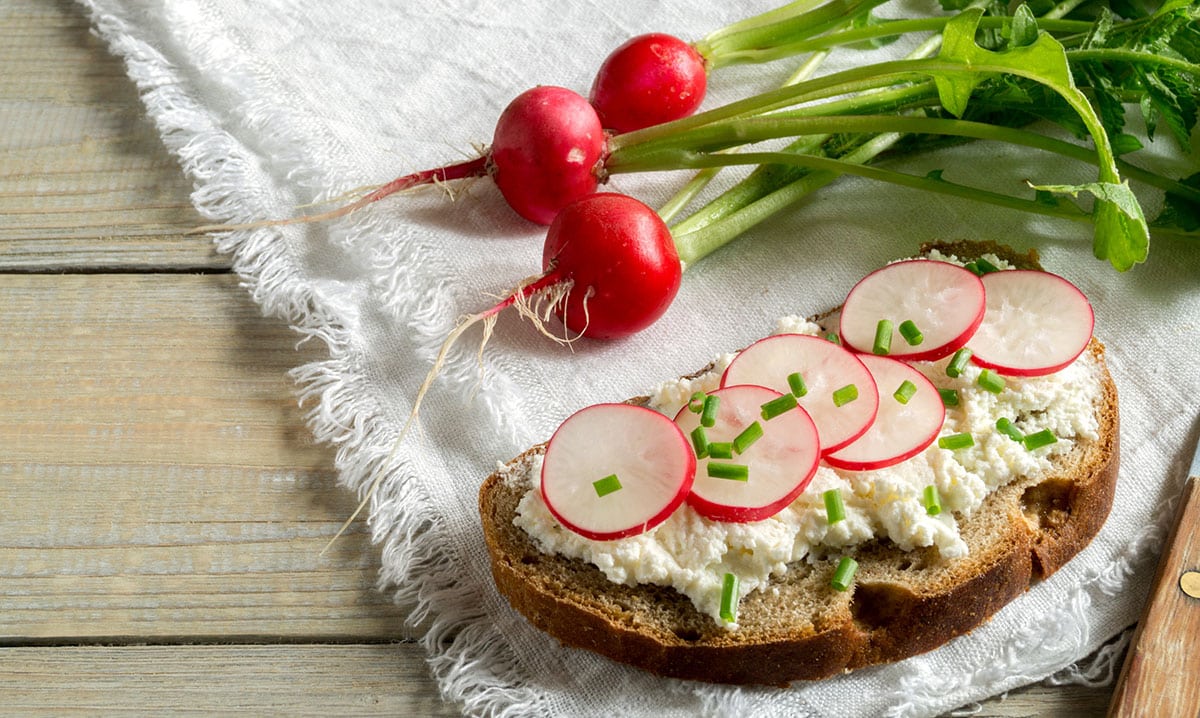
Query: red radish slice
column 824, row 367
column 779, row 464
column 945, row 301
column 651, row 458
column 901, row 430
column 1036, row 323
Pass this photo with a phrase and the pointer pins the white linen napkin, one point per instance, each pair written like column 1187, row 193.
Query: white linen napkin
column 273, row 104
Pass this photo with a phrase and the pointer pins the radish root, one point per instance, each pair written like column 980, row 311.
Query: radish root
column 540, row 293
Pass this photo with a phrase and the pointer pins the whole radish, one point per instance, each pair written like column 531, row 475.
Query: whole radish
column 649, row 80
column 548, row 149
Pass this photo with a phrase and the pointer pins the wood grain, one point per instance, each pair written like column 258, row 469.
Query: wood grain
column 1161, row 674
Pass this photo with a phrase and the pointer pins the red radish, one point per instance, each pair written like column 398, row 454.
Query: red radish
column 1036, row 323
column 945, row 302
column 615, row 470
column 824, row 367
column 649, row 80
column 548, row 149
column 901, row 429
column 779, row 465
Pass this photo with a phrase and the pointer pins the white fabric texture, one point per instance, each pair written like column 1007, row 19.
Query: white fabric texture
column 274, row 104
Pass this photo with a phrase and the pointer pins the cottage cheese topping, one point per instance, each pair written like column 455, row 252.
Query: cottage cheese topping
column 692, row 553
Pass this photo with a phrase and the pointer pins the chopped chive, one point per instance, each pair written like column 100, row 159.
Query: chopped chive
column 1006, row 427
column 720, row 450
column 883, row 337
column 905, row 391
column 973, row 268
column 985, row 267
column 949, row 396
column 958, row 362
column 797, row 385
column 607, row 485
column 749, row 435
column 910, row 332
column 845, row 395
column 932, row 501
column 733, row 472
column 700, row 442
column 991, row 381
column 835, row 510
column 834, row 338
column 956, row 441
column 843, row 576
column 729, row 598
column 777, row 406
column 708, row 415
column 1045, row 437
column 696, row 403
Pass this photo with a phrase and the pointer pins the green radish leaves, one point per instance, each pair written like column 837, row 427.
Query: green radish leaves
column 1121, row 234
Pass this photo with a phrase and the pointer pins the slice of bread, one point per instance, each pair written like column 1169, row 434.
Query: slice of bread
column 902, row 602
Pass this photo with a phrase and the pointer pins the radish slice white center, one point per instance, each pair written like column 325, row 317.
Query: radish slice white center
column 901, row 430
column 1036, row 323
column 778, row 465
column 651, row 459
column 824, row 367
column 943, row 300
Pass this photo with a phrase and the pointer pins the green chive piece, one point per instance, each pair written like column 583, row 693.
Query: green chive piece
column 1045, row 437
column 797, row 385
column 932, row 500
column 985, row 267
column 729, row 598
column 834, row 338
column 905, row 391
column 949, row 396
column 883, row 337
column 973, row 267
column 607, row 485
column 956, row 441
column 733, row 472
column 696, row 403
column 720, row 450
column 958, row 362
column 708, row 414
column 835, row 510
column 700, row 442
column 910, row 332
column 991, row 381
column 1006, row 427
column 749, row 435
column 845, row 395
column 778, row 405
column 843, row 576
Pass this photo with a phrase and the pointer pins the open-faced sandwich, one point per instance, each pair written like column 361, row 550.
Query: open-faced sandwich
column 858, row 488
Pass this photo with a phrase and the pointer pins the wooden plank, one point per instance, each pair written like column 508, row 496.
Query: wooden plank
column 360, row 680
column 85, row 183
column 156, row 477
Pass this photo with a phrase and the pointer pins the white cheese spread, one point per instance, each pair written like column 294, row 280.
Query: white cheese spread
column 692, row 553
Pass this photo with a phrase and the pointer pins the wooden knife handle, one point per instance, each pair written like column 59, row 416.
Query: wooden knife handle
column 1161, row 674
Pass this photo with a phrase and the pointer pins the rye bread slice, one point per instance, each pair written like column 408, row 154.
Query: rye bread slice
column 902, row 603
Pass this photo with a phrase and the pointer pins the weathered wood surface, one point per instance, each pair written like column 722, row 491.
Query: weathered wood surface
column 162, row 508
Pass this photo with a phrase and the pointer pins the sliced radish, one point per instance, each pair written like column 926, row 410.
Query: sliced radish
column 651, row 459
column 943, row 300
column 824, row 367
column 901, row 430
column 778, row 465
column 1036, row 323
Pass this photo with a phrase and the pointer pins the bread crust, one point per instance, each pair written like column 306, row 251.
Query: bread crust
column 1035, row 526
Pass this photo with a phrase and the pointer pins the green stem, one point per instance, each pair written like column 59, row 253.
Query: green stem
column 795, row 26
column 1134, row 57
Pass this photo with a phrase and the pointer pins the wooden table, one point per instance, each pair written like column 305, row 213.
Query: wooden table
column 162, row 506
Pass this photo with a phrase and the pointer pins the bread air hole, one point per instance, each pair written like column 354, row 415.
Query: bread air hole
column 1047, row 505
